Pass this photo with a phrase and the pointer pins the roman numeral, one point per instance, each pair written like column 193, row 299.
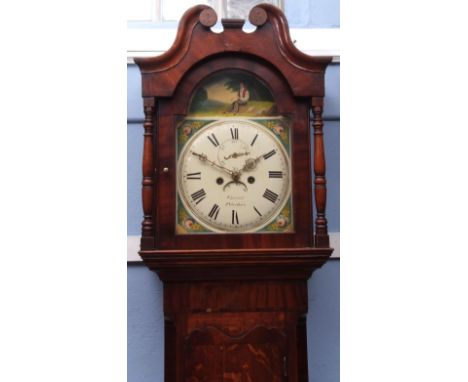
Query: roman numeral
column 275, row 174
column 269, row 154
column 257, row 211
column 214, row 212
column 213, row 140
column 194, row 175
column 253, row 140
column 198, row 196
column 270, row 195
column 235, row 218
column 235, row 133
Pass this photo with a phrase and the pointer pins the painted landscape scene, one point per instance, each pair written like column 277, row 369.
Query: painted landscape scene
column 232, row 94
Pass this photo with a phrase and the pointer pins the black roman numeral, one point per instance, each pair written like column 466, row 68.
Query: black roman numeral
column 235, row 133
column 275, row 174
column 257, row 211
column 253, row 140
column 214, row 212
column 198, row 196
column 270, row 195
column 269, row 154
column 213, row 140
column 194, row 175
column 235, row 218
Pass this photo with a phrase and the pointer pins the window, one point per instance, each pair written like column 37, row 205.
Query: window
column 152, row 24
column 169, row 11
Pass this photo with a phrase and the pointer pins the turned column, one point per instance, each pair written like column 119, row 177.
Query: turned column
column 321, row 226
column 147, row 190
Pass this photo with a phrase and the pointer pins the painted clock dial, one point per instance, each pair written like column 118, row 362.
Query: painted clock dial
column 234, row 176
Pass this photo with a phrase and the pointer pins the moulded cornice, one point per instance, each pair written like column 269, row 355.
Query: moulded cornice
column 271, row 263
column 196, row 42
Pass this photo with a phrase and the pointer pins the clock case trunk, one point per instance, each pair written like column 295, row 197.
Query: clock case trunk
column 234, row 304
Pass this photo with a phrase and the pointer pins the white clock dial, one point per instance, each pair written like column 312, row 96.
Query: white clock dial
column 234, row 176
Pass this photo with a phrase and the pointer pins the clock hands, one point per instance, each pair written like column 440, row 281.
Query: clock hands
column 251, row 163
column 234, row 174
column 236, row 155
column 204, row 158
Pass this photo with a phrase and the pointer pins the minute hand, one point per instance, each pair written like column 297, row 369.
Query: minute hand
column 204, row 158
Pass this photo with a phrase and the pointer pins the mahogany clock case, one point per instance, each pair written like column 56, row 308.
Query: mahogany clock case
column 234, row 304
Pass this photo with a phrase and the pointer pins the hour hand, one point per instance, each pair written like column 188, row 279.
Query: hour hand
column 251, row 163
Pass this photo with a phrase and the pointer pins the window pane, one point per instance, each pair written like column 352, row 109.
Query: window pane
column 173, row 10
column 239, row 9
column 139, row 10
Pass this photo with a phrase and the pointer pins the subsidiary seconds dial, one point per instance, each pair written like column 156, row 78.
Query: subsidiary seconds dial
column 234, row 176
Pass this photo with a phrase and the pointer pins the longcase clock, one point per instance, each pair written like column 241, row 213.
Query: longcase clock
column 233, row 196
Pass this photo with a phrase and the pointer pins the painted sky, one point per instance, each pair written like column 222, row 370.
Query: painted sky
column 219, row 92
